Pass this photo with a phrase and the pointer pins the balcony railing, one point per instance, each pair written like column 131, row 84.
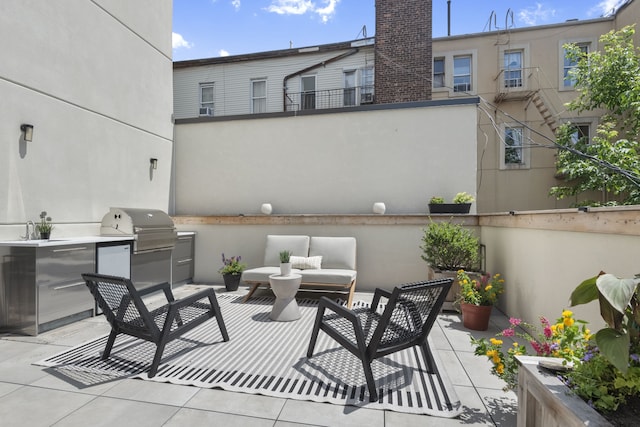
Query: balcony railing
column 516, row 84
column 329, row 98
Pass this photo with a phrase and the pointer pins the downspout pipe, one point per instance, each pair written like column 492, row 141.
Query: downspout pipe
column 311, row 67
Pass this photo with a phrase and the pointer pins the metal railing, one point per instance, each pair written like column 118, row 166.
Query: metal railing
column 329, row 98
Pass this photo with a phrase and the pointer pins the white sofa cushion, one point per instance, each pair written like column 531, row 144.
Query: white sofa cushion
column 311, row 262
column 336, row 252
column 331, row 276
column 297, row 245
column 261, row 274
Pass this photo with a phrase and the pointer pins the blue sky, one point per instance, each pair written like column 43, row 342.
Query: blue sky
column 212, row 28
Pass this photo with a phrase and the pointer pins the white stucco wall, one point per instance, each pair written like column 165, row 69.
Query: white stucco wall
column 95, row 81
column 339, row 163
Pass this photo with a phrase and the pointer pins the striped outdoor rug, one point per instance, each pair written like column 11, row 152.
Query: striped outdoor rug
column 268, row 358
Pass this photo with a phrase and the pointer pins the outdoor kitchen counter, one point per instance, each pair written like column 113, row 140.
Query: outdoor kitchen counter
column 64, row 241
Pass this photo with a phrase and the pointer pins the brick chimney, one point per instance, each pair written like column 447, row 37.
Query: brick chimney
column 403, row 54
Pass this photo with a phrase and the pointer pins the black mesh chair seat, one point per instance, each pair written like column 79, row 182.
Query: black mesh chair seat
column 373, row 332
column 127, row 313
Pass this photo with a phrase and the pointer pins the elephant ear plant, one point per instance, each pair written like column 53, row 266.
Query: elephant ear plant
column 620, row 309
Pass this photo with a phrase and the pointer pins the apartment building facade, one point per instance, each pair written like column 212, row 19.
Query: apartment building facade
column 520, row 74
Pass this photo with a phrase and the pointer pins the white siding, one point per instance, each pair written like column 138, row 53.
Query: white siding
column 233, row 80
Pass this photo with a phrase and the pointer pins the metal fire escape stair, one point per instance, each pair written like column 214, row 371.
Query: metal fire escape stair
column 544, row 111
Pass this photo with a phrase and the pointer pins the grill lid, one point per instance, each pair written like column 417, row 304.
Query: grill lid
column 152, row 229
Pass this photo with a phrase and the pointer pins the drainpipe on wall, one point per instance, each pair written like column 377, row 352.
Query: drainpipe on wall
column 304, row 70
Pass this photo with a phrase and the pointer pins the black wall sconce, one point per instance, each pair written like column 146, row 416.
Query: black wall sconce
column 27, row 132
column 154, row 163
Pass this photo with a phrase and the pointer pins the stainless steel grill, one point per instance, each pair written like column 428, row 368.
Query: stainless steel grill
column 151, row 229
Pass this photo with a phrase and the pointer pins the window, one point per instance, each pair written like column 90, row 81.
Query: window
column 349, row 88
column 513, row 147
column 513, row 68
column 366, row 88
column 206, row 99
column 581, row 133
column 308, row 93
column 568, row 65
column 462, row 73
column 438, row 72
column 259, row 96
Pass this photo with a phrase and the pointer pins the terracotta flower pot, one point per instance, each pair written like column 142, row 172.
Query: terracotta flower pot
column 476, row 317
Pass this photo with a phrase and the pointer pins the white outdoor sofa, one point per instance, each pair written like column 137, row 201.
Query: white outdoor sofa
column 336, row 269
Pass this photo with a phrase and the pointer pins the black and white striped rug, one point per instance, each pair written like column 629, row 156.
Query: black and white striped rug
column 268, row 358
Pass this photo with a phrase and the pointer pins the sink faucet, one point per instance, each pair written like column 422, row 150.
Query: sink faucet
column 30, row 234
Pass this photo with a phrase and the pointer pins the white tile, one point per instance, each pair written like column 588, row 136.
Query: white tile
column 254, row 405
column 107, row 412
column 325, row 414
column 152, row 392
column 502, row 406
column 195, row 417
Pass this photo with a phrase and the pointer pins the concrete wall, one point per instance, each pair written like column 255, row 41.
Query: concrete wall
column 339, row 163
column 95, row 81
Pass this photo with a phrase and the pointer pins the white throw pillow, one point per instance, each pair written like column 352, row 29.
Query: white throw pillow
column 302, row 263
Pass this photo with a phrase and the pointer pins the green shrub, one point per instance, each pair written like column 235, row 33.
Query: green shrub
column 449, row 246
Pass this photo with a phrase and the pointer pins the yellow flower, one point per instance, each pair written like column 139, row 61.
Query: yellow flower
column 488, row 288
column 568, row 321
column 500, row 368
column 515, row 344
column 567, row 313
column 495, row 341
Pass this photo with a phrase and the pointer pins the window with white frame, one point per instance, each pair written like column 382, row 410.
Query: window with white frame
column 206, row 99
column 513, row 68
column 462, row 73
column 514, row 152
column 455, row 72
column 259, row 96
column 349, row 88
column 568, row 64
column 438, row 73
column 366, row 85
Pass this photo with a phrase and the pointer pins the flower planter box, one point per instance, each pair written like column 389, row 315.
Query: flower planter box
column 449, row 208
column 543, row 400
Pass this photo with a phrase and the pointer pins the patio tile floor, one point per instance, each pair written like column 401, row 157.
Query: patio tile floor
column 30, row 396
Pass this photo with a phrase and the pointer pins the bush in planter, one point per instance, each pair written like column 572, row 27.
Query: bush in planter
column 450, row 247
column 461, row 204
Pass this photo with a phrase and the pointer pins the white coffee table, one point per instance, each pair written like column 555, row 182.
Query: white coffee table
column 285, row 308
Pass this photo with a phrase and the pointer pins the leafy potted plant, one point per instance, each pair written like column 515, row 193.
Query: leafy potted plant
column 231, row 271
column 461, row 204
column 285, row 264
column 448, row 247
column 45, row 226
column 477, row 297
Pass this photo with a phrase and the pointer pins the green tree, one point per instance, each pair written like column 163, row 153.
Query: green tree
column 610, row 163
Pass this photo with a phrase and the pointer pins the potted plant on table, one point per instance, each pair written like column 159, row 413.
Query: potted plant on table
column 448, row 247
column 477, row 298
column 45, row 226
column 285, row 264
column 231, row 271
column 461, row 204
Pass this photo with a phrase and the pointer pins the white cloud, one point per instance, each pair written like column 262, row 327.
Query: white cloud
column 536, row 15
column 604, row 8
column 300, row 7
column 236, row 4
column 178, row 41
column 223, row 52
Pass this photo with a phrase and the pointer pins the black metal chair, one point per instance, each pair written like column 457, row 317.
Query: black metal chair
column 405, row 322
column 123, row 307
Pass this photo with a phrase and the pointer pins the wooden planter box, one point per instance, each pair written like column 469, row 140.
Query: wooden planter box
column 543, row 400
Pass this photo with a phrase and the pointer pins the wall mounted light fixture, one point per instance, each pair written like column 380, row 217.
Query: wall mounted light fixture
column 154, row 163
column 27, row 132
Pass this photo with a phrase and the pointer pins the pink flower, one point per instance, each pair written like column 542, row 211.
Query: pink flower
column 544, row 321
column 548, row 332
column 508, row 333
column 515, row 321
